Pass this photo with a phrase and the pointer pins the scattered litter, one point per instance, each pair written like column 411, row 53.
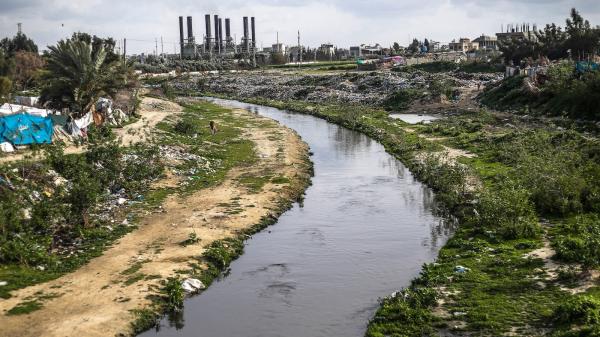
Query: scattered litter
column 3, row 283
column 121, row 201
column 192, row 285
column 461, row 269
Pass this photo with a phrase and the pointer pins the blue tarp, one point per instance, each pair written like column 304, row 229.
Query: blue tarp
column 583, row 66
column 24, row 129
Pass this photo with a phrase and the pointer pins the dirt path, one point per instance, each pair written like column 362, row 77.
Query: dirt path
column 152, row 111
column 97, row 299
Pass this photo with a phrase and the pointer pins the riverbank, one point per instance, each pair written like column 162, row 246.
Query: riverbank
column 507, row 270
column 215, row 191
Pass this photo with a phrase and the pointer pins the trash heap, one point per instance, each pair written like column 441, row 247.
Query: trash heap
column 364, row 88
column 23, row 125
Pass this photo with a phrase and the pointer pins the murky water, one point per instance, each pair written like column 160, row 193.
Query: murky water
column 364, row 231
column 414, row 118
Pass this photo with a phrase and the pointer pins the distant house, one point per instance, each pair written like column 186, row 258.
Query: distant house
column 370, row 50
column 486, row 42
column 355, row 52
column 327, row 49
column 463, row 45
column 434, row 46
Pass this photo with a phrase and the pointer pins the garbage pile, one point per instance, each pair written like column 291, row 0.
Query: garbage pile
column 22, row 125
column 365, row 88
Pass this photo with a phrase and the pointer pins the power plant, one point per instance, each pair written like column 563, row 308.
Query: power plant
column 214, row 45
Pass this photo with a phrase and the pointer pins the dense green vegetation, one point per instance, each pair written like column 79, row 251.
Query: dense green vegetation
column 50, row 207
column 20, row 65
column 565, row 92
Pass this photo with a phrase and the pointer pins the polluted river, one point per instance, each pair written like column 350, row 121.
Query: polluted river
column 364, row 230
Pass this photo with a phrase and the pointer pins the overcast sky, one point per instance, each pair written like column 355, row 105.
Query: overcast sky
column 341, row 22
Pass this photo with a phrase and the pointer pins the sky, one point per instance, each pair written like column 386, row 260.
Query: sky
column 340, row 22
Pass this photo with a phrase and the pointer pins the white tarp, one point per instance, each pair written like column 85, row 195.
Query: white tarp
column 84, row 121
column 7, row 147
column 9, row 109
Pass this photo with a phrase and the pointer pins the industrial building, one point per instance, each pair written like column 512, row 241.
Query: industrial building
column 518, row 31
column 213, row 43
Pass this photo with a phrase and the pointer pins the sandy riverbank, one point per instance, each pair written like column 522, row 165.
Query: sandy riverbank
column 97, row 299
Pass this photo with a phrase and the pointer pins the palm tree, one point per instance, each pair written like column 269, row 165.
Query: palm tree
column 77, row 74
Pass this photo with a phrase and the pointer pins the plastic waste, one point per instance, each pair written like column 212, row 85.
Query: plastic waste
column 192, row 285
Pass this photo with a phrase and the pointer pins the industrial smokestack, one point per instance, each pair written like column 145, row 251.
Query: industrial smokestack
column 246, row 33
column 190, row 30
column 227, row 30
column 181, row 35
column 253, row 32
column 221, row 34
column 207, row 22
column 216, row 18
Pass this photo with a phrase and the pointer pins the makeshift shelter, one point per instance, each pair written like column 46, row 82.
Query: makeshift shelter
column 25, row 129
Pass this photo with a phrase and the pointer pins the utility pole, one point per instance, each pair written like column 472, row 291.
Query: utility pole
column 299, row 50
column 162, row 46
column 155, row 46
column 19, row 28
column 124, row 49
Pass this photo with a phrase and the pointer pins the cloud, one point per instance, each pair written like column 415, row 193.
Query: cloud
column 342, row 22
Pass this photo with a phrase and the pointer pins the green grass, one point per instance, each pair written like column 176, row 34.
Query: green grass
column 254, row 183
column 24, row 308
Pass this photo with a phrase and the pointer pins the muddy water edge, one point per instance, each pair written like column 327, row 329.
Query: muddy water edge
column 364, row 230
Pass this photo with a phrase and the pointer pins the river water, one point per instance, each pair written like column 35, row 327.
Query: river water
column 364, row 231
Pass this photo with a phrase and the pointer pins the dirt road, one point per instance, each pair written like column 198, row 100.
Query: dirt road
column 97, row 299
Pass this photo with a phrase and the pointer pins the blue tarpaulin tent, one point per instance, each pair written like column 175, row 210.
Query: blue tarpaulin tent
column 24, row 129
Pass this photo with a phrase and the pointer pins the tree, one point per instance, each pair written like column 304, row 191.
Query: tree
column 582, row 38
column 19, row 42
column 7, row 64
column 5, row 88
column 517, row 49
column 426, row 44
column 396, row 47
column 551, row 42
column 277, row 58
column 77, row 75
column 27, row 68
column 414, row 46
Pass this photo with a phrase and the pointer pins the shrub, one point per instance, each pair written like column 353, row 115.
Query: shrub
column 401, row 100
column 579, row 241
column 508, row 210
column 186, row 127
column 174, row 294
column 578, row 310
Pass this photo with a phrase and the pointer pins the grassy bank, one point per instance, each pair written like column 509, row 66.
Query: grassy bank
column 486, row 280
